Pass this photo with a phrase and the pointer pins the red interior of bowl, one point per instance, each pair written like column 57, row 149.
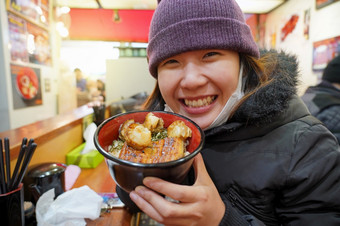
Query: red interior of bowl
column 110, row 127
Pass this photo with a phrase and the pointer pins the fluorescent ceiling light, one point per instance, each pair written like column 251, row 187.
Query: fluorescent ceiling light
column 247, row 6
column 258, row 6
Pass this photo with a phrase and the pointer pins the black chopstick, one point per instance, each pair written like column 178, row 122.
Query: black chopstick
column 10, row 182
column 8, row 163
column 19, row 161
column 28, row 155
column 2, row 169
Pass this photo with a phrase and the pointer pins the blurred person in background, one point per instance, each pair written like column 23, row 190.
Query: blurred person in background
column 323, row 100
column 80, row 80
column 82, row 88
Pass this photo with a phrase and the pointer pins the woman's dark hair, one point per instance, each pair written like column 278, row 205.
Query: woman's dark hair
column 256, row 71
column 155, row 101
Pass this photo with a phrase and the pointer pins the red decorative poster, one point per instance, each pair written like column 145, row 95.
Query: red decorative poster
column 289, row 27
column 26, row 87
column 306, row 23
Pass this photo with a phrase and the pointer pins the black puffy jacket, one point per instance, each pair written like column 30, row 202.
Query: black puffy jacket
column 273, row 163
column 323, row 101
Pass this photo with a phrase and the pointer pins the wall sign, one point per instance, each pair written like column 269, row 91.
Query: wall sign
column 36, row 12
column 306, row 23
column 29, row 43
column 17, row 38
column 38, row 45
column 289, row 26
column 26, row 86
column 322, row 3
column 324, row 51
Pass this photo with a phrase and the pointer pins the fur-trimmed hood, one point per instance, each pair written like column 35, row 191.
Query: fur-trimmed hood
column 272, row 99
column 266, row 106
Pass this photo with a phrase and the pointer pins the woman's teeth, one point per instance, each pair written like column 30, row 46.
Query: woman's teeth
column 199, row 102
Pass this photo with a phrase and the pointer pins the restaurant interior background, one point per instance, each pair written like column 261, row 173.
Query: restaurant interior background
column 47, row 39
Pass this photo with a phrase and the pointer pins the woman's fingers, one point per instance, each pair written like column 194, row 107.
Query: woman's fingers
column 156, row 206
column 145, row 206
column 161, row 209
column 174, row 191
column 181, row 192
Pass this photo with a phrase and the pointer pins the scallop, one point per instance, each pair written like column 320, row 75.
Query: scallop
column 179, row 129
column 152, row 122
column 137, row 136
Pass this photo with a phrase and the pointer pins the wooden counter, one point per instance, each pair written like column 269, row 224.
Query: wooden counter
column 55, row 137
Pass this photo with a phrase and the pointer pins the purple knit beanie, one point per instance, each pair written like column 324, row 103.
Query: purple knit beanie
column 183, row 25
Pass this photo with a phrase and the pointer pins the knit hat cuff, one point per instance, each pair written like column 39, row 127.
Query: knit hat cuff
column 200, row 33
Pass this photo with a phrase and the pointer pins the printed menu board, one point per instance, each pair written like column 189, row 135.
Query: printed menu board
column 35, row 11
column 29, row 43
column 38, row 45
column 17, row 38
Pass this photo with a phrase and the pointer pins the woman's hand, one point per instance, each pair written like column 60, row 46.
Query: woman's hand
column 199, row 204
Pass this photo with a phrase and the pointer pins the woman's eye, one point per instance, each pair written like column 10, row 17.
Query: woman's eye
column 210, row 54
column 172, row 61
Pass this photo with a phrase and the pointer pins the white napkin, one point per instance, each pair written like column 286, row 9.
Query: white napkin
column 88, row 136
column 68, row 209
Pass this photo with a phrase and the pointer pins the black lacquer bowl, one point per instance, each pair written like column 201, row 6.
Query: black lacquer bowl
column 128, row 175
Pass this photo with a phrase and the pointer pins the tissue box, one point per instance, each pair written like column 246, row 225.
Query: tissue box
column 88, row 160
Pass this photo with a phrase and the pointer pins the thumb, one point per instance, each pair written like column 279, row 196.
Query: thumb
column 201, row 173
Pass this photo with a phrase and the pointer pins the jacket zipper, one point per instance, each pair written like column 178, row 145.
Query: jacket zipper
column 237, row 201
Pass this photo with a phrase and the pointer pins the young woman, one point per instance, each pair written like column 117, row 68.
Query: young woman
column 266, row 160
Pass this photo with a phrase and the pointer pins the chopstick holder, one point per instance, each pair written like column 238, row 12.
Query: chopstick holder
column 10, row 182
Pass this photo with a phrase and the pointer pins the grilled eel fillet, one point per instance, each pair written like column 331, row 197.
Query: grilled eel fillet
column 163, row 150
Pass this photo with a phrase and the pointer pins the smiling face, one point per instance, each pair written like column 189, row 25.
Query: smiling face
column 198, row 84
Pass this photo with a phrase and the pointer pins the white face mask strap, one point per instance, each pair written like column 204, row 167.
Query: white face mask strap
column 167, row 108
